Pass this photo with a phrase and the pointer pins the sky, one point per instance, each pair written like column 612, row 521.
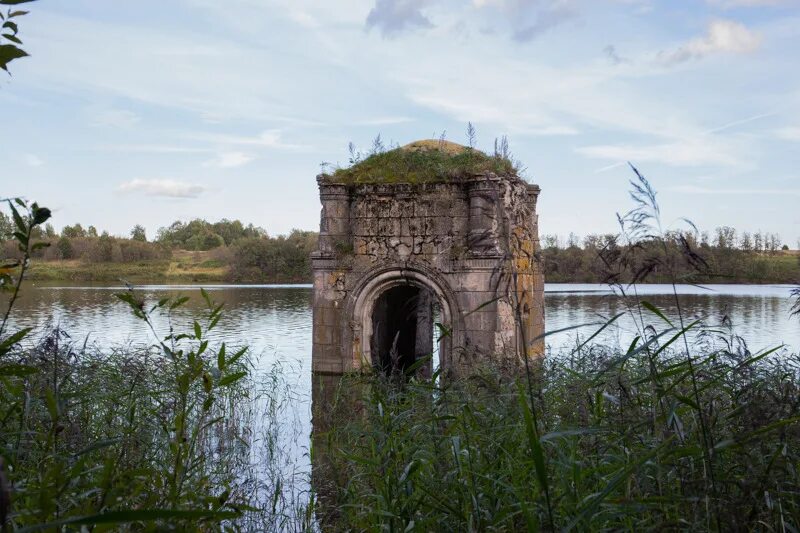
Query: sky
column 146, row 112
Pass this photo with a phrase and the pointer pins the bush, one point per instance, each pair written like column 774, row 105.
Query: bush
column 64, row 247
column 274, row 260
column 204, row 241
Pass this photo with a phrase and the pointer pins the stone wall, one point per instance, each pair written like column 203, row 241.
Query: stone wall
column 462, row 240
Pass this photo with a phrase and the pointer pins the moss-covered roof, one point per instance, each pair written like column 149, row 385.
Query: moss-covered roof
column 424, row 161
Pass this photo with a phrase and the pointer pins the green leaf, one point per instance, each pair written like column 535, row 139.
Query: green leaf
column 8, row 53
column 591, row 506
column 40, row 215
column 232, row 378
column 13, row 339
column 12, row 26
column 198, row 333
column 688, row 401
column 12, row 38
column 17, row 370
column 533, row 441
column 98, row 445
column 221, row 357
column 18, row 220
column 653, row 309
column 596, row 333
column 178, row 302
column 52, row 405
column 206, row 297
column 236, row 357
column 746, row 437
column 18, row 13
column 21, row 237
column 14, row 2
column 553, row 435
column 124, row 517
column 214, row 322
column 40, row 245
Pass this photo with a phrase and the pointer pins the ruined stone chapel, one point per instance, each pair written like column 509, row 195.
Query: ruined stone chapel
column 428, row 256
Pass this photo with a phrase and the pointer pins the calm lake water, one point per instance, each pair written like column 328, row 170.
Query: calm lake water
column 275, row 321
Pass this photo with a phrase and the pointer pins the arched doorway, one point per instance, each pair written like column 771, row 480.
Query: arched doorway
column 403, row 330
column 395, row 313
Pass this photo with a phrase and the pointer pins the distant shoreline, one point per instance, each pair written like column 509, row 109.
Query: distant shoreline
column 179, row 271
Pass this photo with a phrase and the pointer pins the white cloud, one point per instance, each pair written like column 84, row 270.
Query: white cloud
column 265, row 139
column 230, row 160
column 694, row 189
column 33, row 160
column 748, row 3
column 303, row 18
column 788, row 134
column 692, row 152
column 153, row 148
column 162, row 187
column 722, row 36
column 115, row 118
column 384, row 121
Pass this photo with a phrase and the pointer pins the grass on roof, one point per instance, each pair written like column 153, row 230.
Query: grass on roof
column 425, row 161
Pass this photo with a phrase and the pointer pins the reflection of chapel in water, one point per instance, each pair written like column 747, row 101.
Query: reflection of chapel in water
column 397, row 258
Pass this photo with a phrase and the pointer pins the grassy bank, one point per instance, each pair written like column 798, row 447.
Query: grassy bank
column 189, row 266
column 183, row 267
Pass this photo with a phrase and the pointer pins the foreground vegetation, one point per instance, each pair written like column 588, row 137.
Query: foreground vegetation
column 636, row 439
column 162, row 433
column 685, row 428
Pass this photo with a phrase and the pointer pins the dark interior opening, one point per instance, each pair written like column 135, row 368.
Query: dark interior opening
column 402, row 329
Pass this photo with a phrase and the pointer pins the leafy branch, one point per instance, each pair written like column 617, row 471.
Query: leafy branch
column 9, row 33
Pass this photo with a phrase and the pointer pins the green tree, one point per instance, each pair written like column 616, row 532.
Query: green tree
column 199, row 234
column 138, row 233
column 73, row 232
column 64, row 247
column 6, row 227
column 9, row 33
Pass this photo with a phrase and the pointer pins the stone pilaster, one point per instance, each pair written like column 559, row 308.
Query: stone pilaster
column 334, row 226
column 483, row 194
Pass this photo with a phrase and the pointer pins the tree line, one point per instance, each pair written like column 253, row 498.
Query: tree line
column 722, row 256
column 248, row 251
column 250, row 254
